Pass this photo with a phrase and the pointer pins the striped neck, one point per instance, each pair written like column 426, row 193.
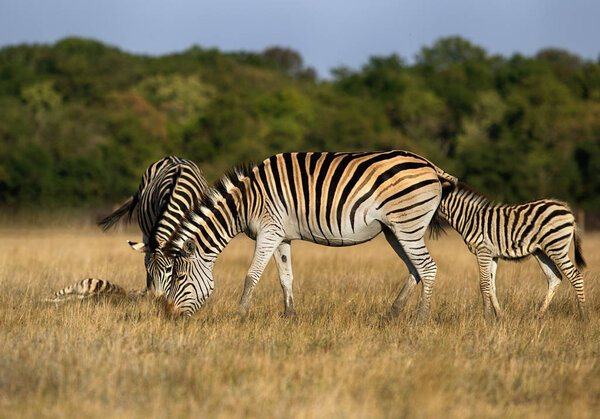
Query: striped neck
column 461, row 204
column 221, row 215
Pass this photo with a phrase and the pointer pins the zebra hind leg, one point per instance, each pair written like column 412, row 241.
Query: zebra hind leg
column 553, row 277
column 566, row 267
column 411, row 282
column 419, row 260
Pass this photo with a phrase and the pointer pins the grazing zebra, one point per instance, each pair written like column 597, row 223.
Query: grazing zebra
column 86, row 288
column 334, row 199
column 169, row 187
column 543, row 228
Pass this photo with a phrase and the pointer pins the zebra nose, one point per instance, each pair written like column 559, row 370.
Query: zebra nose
column 174, row 311
column 163, row 303
column 160, row 297
column 159, row 288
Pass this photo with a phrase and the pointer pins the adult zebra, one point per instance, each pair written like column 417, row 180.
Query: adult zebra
column 335, row 199
column 543, row 228
column 169, row 187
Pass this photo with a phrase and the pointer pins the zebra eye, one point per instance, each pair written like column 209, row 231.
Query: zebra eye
column 188, row 247
column 169, row 269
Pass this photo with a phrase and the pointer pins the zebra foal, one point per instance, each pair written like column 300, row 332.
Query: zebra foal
column 542, row 228
column 87, row 288
column 334, row 199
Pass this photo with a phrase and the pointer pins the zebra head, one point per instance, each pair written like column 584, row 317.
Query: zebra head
column 159, row 269
column 192, row 281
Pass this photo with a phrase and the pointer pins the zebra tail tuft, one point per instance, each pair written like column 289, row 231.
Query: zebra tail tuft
column 578, row 251
column 127, row 208
column 436, row 227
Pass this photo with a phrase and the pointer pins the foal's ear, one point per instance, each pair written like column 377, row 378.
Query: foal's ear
column 138, row 247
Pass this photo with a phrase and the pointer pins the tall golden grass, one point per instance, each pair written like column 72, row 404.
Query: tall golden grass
column 339, row 357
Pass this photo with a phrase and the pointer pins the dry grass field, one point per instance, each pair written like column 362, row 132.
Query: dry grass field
column 338, row 358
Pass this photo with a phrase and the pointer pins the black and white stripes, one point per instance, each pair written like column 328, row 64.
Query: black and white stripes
column 335, row 199
column 169, row 188
column 86, row 288
column 542, row 228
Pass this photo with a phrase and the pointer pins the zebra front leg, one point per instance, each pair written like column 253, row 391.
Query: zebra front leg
column 493, row 297
column 265, row 247
column 283, row 260
column 553, row 277
column 484, row 260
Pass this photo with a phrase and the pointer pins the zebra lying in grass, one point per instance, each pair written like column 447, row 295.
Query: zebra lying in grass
column 543, row 228
column 89, row 288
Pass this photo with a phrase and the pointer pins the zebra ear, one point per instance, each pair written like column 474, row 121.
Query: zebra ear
column 188, row 247
column 138, row 247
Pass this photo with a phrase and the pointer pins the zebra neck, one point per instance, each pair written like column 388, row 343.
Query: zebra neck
column 463, row 208
column 220, row 225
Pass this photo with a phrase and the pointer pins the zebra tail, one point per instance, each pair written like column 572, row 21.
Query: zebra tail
column 443, row 176
column 578, row 252
column 127, row 208
column 436, row 226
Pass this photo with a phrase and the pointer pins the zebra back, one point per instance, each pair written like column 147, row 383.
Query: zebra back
column 511, row 231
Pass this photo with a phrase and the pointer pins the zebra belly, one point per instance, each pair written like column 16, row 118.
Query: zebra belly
column 348, row 237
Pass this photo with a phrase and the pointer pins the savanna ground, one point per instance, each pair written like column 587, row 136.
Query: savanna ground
column 337, row 358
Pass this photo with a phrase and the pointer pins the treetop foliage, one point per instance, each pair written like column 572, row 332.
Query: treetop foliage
column 81, row 120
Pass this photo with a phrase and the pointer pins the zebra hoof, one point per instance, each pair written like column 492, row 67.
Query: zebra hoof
column 290, row 313
column 421, row 319
column 242, row 313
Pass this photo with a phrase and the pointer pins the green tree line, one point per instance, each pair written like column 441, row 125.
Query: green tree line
column 81, row 120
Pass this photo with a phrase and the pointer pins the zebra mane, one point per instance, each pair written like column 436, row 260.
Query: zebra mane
column 464, row 189
column 206, row 203
column 223, row 186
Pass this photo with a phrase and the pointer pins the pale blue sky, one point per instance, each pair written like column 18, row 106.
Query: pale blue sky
column 326, row 33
